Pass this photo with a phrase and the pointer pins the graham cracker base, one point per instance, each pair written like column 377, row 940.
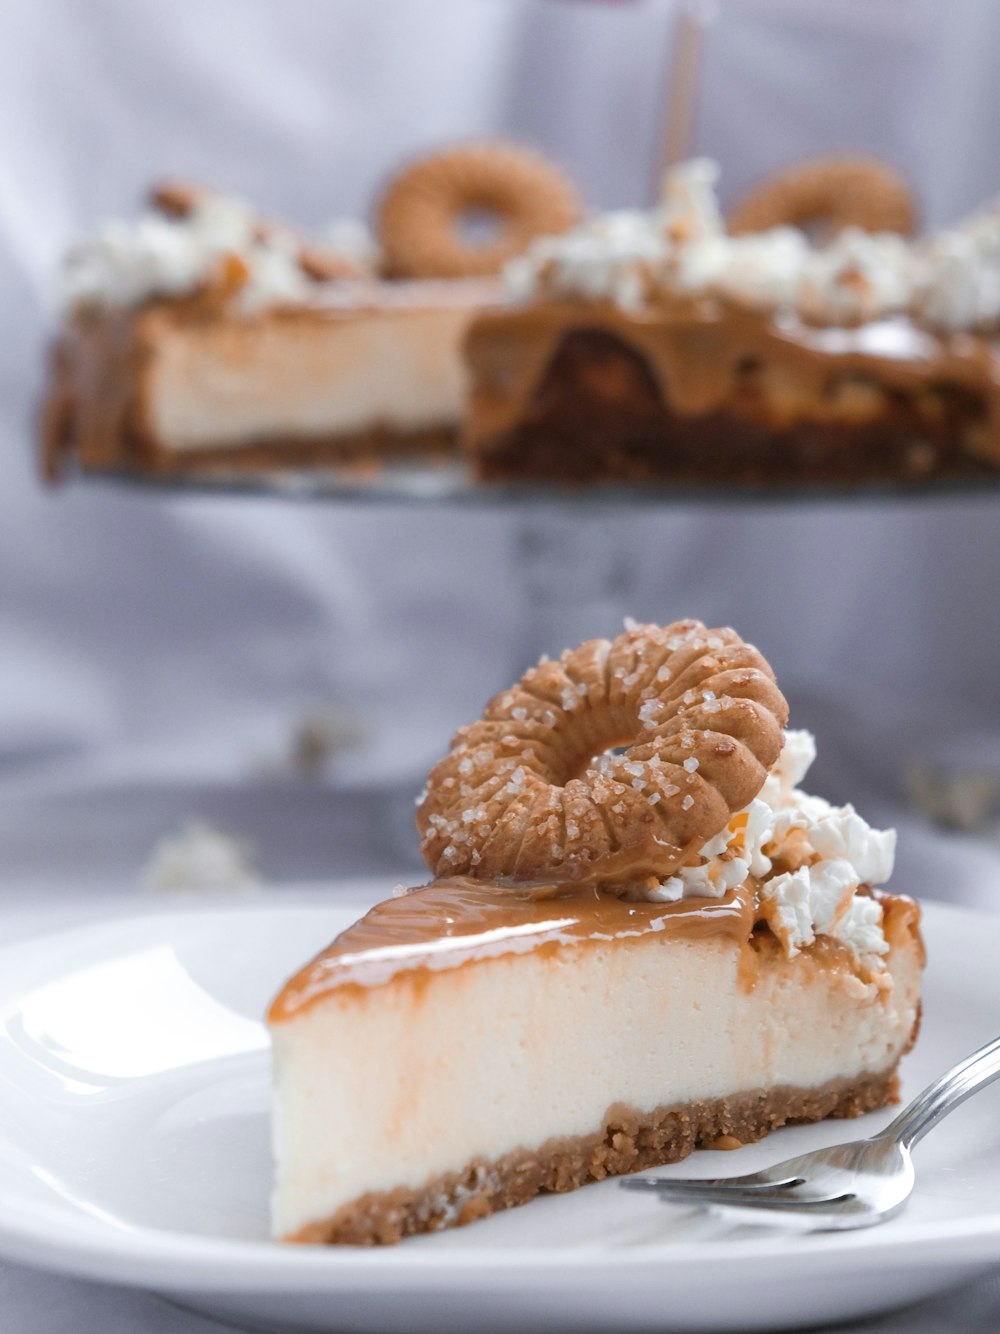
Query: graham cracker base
column 371, row 449
column 629, row 1141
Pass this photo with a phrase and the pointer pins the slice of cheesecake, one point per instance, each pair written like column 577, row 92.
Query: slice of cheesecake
column 466, row 1046
column 353, row 371
column 202, row 337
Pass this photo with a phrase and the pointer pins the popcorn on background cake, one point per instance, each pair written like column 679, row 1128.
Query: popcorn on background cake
column 681, row 248
column 217, row 240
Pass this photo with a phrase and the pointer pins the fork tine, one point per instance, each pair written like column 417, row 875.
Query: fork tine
column 754, row 1181
column 781, row 1197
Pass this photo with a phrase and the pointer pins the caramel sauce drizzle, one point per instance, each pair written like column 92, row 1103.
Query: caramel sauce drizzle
column 452, row 922
column 696, row 348
column 455, row 921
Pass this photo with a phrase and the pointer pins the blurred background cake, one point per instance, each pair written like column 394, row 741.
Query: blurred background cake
column 173, row 655
column 659, row 346
column 204, row 336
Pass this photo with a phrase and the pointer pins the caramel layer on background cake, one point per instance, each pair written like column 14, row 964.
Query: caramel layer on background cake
column 689, row 393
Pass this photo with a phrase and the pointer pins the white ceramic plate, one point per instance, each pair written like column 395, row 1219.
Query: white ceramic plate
column 134, row 1149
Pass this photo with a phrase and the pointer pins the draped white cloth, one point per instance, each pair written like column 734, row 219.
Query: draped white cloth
column 157, row 646
column 142, row 630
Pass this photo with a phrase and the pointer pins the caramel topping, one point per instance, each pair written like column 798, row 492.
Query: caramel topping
column 454, row 921
column 698, row 351
column 458, row 921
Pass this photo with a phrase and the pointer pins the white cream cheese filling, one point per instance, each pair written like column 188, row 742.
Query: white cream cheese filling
column 397, row 368
column 393, row 1086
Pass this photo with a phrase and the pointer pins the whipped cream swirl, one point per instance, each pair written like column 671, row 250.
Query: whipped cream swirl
column 810, row 858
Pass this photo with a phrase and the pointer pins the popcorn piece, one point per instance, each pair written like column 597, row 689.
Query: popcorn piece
column 201, row 859
column 680, row 249
column 832, row 851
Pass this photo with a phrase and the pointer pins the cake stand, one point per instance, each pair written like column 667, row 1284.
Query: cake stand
column 574, row 560
column 572, row 552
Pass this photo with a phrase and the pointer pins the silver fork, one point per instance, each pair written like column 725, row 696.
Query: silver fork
column 849, row 1185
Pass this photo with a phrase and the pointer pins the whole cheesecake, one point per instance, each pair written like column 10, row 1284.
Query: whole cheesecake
column 481, row 1039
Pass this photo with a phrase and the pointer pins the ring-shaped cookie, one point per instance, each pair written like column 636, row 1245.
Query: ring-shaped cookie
column 421, row 215
column 828, row 194
column 532, row 791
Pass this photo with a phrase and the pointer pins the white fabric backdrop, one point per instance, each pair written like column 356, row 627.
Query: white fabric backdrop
column 182, row 637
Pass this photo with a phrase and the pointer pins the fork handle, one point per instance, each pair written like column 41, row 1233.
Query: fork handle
column 944, row 1095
